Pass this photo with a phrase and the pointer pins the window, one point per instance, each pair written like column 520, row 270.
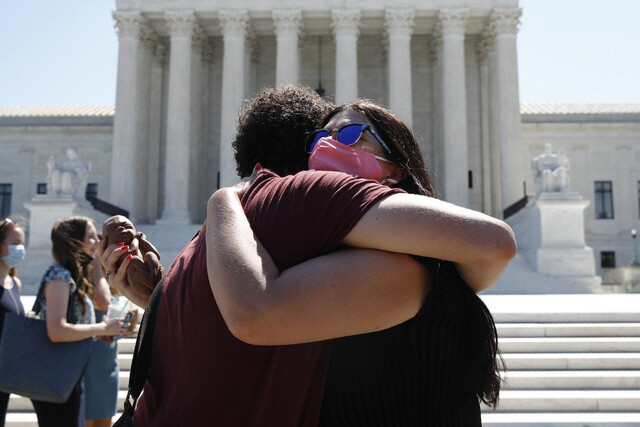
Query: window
column 91, row 191
column 607, row 259
column 5, row 200
column 604, row 199
column 42, row 188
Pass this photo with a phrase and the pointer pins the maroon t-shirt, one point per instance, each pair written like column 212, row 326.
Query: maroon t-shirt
column 201, row 375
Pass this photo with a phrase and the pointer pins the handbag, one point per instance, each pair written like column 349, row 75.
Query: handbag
column 33, row 366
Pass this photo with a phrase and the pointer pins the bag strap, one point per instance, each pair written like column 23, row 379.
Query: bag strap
column 141, row 361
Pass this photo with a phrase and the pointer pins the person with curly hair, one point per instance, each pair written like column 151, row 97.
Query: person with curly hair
column 69, row 279
column 395, row 363
column 245, row 374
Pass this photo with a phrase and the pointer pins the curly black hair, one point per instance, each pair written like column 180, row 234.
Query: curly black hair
column 273, row 127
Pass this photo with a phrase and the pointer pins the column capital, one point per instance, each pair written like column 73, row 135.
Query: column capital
column 345, row 21
column 128, row 23
column 180, row 22
column 153, row 43
column 452, row 21
column 486, row 41
column 505, row 20
column 233, row 21
column 200, row 39
column 287, row 20
column 399, row 21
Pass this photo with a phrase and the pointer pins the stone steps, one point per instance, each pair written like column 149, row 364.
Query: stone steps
column 571, row 361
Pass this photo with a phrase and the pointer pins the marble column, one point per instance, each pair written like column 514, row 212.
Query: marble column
column 399, row 27
column 345, row 24
column 454, row 106
column 234, row 27
column 155, row 128
column 125, row 124
column 176, row 202
column 145, row 107
column 288, row 25
column 505, row 26
column 482, row 53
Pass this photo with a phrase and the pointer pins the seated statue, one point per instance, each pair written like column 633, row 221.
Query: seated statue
column 144, row 272
column 551, row 171
column 70, row 178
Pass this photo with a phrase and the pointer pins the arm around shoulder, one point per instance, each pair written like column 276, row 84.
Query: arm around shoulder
column 481, row 246
column 330, row 296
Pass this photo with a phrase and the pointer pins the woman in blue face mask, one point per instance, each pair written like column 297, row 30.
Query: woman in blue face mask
column 11, row 253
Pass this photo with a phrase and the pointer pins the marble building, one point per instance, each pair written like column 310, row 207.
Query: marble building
column 449, row 68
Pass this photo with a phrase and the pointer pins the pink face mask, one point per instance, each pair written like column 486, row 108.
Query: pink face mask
column 331, row 155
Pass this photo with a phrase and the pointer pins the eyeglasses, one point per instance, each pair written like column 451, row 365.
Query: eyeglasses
column 348, row 134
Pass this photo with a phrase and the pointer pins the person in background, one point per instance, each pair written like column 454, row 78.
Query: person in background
column 11, row 254
column 102, row 375
column 75, row 244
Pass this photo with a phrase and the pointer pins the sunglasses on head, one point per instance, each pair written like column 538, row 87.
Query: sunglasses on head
column 348, row 134
column 5, row 222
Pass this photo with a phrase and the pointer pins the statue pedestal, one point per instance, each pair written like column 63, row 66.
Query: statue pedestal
column 550, row 233
column 631, row 278
column 44, row 211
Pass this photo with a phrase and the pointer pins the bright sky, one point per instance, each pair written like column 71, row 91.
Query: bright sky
column 64, row 52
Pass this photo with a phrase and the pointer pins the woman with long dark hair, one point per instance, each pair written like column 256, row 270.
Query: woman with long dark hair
column 431, row 356
column 75, row 245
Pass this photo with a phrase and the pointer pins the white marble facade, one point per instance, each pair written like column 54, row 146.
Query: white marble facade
column 185, row 67
column 447, row 67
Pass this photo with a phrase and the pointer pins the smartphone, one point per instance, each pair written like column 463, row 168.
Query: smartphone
column 126, row 320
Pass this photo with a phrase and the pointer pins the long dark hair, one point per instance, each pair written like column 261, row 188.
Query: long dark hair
column 405, row 152
column 67, row 237
column 401, row 141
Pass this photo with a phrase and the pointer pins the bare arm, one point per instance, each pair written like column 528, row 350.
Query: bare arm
column 344, row 293
column 480, row 246
column 57, row 295
column 102, row 293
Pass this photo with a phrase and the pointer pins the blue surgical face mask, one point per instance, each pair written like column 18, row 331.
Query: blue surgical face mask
column 15, row 256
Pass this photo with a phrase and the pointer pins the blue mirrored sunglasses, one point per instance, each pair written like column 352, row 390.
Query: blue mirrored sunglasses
column 348, row 134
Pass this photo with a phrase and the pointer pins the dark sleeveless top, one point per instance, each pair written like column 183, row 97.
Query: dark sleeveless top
column 423, row 372
column 10, row 302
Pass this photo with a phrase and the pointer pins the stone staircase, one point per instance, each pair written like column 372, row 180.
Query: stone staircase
column 572, row 360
